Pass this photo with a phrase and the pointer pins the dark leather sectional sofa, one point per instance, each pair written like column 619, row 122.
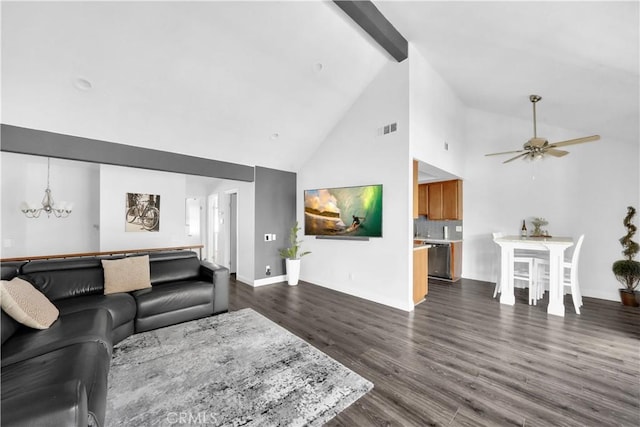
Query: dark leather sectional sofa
column 58, row 376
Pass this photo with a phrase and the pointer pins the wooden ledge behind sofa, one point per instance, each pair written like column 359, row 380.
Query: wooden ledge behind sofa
column 118, row 252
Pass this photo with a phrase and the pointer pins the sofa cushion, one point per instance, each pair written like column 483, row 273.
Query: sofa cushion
column 87, row 362
column 83, row 326
column 9, row 270
column 126, row 274
column 174, row 317
column 173, row 296
column 65, row 278
column 9, row 326
column 121, row 306
column 26, row 304
column 173, row 266
column 51, row 405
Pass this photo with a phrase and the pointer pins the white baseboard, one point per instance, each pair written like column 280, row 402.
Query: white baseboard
column 244, row 280
column 401, row 305
column 269, row 280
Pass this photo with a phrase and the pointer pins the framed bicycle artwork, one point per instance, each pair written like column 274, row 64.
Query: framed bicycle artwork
column 142, row 212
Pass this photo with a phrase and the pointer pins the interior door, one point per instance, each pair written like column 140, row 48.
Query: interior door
column 214, row 219
column 233, row 232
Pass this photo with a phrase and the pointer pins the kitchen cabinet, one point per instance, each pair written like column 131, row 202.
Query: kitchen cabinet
column 415, row 190
column 423, row 199
column 420, row 269
column 456, row 261
column 435, row 201
column 445, row 200
column 452, row 199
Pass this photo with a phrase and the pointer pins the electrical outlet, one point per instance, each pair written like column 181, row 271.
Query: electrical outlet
column 267, row 270
column 459, row 228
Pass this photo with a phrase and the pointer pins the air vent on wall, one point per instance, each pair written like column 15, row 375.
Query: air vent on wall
column 392, row 127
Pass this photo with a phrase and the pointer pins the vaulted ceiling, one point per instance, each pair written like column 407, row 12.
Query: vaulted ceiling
column 264, row 82
column 582, row 57
column 248, row 82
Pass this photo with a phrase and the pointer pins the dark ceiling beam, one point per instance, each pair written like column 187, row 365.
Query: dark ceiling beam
column 367, row 16
column 49, row 144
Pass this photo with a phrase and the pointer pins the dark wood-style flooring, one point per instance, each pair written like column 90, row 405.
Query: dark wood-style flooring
column 463, row 359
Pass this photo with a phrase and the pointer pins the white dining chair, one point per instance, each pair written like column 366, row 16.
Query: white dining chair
column 524, row 268
column 570, row 277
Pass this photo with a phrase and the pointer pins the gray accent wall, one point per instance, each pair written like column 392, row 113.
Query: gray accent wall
column 275, row 198
column 42, row 143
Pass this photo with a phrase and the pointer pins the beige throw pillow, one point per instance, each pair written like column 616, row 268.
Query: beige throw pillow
column 126, row 274
column 26, row 304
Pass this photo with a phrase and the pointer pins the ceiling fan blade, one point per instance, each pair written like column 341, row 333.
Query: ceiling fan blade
column 505, row 152
column 556, row 153
column 516, row 157
column 575, row 141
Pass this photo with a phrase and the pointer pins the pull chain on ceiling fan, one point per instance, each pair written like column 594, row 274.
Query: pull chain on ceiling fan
column 539, row 147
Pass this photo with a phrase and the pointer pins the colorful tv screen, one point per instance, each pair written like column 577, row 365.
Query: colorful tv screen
column 344, row 211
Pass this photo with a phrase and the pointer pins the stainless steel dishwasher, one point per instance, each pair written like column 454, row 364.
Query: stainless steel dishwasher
column 440, row 260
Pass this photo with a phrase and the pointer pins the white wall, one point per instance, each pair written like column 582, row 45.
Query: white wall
column 116, row 182
column 586, row 192
column 246, row 226
column 199, row 187
column 436, row 116
column 355, row 154
column 24, row 178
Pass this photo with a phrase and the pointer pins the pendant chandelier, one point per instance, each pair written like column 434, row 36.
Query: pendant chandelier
column 61, row 210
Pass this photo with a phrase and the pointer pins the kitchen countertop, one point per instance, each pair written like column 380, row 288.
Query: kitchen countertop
column 418, row 246
column 430, row 240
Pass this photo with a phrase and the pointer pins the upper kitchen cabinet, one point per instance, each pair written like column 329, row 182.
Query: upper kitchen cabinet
column 415, row 190
column 423, row 199
column 445, row 200
column 452, row 199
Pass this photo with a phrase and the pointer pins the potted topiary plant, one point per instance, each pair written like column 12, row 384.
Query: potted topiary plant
column 627, row 270
column 292, row 256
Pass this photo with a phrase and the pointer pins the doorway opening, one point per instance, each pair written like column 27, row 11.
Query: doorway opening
column 214, row 219
column 222, row 229
column 233, row 232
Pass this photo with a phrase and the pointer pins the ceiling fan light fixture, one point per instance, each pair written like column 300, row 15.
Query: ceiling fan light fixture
column 538, row 147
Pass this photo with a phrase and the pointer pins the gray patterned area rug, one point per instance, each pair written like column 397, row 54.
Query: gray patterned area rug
column 235, row 369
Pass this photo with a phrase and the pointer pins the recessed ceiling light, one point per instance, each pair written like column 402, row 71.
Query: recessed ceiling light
column 82, row 84
column 318, row 67
column 275, row 136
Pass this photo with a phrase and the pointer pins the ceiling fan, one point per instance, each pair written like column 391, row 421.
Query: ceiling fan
column 538, row 147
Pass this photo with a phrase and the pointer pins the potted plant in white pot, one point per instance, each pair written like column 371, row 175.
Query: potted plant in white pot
column 292, row 256
column 627, row 270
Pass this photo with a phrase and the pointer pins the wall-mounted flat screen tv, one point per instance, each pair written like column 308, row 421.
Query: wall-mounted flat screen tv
column 344, row 211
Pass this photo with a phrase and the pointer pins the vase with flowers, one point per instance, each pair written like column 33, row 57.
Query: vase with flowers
column 538, row 223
